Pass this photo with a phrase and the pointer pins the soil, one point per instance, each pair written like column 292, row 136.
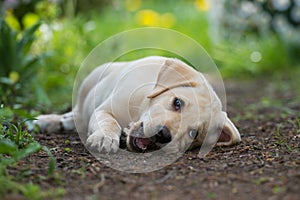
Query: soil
column 265, row 165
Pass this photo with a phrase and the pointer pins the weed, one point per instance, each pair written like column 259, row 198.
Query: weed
column 67, row 149
column 278, row 135
column 19, row 67
column 278, row 189
column 298, row 123
column 280, row 140
column 29, row 190
column 81, row 171
column 212, row 195
column 261, row 180
column 16, row 133
column 15, row 144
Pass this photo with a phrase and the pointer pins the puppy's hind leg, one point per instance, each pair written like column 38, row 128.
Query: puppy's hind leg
column 54, row 123
column 67, row 121
column 49, row 123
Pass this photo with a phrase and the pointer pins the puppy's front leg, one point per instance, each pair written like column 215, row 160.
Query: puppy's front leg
column 104, row 132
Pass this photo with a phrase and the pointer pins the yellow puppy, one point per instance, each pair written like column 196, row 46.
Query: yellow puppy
column 156, row 101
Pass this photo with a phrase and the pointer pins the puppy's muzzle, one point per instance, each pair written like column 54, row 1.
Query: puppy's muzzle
column 140, row 143
column 163, row 135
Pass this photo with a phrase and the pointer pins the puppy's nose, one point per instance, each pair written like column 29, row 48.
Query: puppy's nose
column 163, row 135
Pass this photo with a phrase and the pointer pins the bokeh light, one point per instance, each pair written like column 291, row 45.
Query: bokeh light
column 151, row 18
column 132, row 5
column 202, row 5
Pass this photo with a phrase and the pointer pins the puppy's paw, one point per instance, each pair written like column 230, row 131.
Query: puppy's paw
column 102, row 142
column 48, row 123
column 67, row 121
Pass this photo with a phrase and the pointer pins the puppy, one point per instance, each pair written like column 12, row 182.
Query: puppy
column 156, row 101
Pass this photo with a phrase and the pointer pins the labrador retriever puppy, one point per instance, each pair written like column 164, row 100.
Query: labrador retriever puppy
column 155, row 101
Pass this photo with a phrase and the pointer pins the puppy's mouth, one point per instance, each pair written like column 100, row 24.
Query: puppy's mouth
column 138, row 142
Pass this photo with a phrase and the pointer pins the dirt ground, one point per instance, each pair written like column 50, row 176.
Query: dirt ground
column 265, row 165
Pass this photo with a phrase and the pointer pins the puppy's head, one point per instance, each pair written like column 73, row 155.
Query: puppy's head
column 182, row 108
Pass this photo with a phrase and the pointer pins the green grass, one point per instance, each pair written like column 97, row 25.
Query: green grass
column 15, row 133
column 278, row 189
column 280, row 141
column 16, row 143
column 298, row 124
column 234, row 59
column 19, row 67
column 212, row 195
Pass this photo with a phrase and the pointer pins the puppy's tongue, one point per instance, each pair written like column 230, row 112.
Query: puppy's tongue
column 142, row 143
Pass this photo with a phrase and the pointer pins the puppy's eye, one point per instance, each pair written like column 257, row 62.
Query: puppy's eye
column 177, row 104
column 193, row 133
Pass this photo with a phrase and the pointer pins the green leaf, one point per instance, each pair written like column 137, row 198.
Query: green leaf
column 31, row 190
column 5, row 113
column 52, row 161
column 7, row 147
column 41, row 95
column 6, row 81
column 30, row 31
column 29, row 67
column 23, row 113
column 27, row 38
column 31, row 148
column 8, row 43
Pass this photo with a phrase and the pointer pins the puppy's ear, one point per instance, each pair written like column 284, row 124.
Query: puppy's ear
column 174, row 73
column 229, row 135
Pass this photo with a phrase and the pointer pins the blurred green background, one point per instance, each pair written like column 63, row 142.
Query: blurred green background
column 44, row 42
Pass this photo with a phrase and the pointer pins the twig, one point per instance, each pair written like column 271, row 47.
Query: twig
column 166, row 177
column 99, row 185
